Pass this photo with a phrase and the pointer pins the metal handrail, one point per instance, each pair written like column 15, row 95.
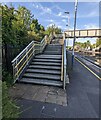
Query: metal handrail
column 65, row 63
column 21, row 52
column 63, row 66
column 20, row 62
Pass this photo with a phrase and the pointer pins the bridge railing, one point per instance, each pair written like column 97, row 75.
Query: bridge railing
column 83, row 33
column 22, row 60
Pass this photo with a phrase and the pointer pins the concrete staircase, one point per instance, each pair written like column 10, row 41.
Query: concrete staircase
column 45, row 68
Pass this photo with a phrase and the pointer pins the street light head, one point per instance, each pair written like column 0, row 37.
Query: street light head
column 67, row 12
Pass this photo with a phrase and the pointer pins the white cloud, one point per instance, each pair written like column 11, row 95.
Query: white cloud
column 56, row 25
column 42, row 8
column 49, row 25
column 59, row 14
column 64, row 20
column 51, row 20
column 59, row 26
column 62, row 15
column 90, row 26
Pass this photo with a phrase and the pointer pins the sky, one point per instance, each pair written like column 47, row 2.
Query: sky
column 49, row 13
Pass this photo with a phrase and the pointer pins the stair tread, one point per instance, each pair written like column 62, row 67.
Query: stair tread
column 52, row 51
column 42, row 75
column 49, row 56
column 43, row 71
column 54, row 45
column 38, row 81
column 45, row 63
column 49, row 53
column 47, row 60
column 46, row 67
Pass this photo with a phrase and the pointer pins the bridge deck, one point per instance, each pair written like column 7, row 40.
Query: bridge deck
column 84, row 33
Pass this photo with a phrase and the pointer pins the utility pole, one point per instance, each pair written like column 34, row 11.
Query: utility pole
column 76, row 4
column 67, row 25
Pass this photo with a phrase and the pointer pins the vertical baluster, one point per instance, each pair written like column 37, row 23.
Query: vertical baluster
column 33, row 48
column 27, row 55
column 14, row 73
column 16, row 69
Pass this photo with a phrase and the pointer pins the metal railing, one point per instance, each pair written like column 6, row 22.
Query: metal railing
column 63, row 67
column 64, row 54
column 23, row 59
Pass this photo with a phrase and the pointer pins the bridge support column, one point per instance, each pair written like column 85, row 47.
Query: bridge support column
column 64, row 36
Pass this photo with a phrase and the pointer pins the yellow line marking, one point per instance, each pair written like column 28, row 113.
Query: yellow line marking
column 88, row 69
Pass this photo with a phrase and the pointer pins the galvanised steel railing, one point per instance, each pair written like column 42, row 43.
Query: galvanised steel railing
column 23, row 59
column 64, row 64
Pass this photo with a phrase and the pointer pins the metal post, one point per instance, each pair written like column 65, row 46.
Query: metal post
column 17, row 68
column 68, row 27
column 27, row 55
column 68, row 30
column 33, row 48
column 13, row 73
column 76, row 3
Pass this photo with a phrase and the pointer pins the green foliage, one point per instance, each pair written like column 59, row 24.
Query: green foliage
column 9, row 107
column 6, row 76
column 17, row 23
column 36, row 31
column 18, row 29
column 88, row 44
column 52, row 29
column 84, row 45
column 98, row 42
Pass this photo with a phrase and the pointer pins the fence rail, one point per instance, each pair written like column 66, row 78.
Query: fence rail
column 23, row 59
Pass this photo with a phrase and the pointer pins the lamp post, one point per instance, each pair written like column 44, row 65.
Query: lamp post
column 76, row 3
column 67, row 24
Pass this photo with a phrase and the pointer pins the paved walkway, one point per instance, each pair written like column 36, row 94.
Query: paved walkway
column 83, row 99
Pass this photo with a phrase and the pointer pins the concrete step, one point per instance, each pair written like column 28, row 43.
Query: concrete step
column 43, row 56
column 42, row 76
column 52, row 45
column 54, row 72
column 46, row 63
column 47, row 60
column 54, row 48
column 45, row 67
column 53, row 52
column 42, row 81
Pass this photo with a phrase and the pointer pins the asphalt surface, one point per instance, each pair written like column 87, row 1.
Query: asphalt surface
column 95, row 68
column 82, row 95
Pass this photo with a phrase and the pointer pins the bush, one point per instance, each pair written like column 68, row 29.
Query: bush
column 7, row 77
column 9, row 108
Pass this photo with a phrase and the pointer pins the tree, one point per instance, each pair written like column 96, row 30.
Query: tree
column 98, row 42
column 18, row 29
column 52, row 29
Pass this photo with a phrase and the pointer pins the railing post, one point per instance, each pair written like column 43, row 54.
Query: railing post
column 64, row 36
column 17, row 68
column 33, row 48
column 13, row 73
column 64, row 78
column 27, row 55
